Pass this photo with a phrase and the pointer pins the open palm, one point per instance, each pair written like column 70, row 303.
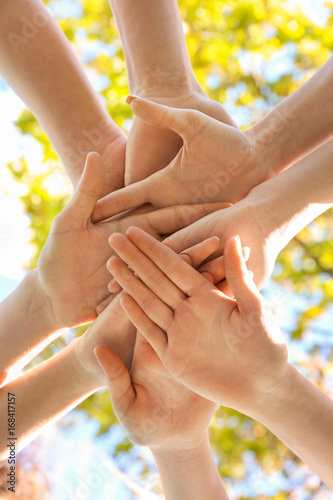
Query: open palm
column 72, row 266
column 154, row 409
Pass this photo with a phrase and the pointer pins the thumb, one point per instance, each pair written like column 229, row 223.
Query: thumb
column 239, row 279
column 124, row 199
column 118, row 377
column 171, row 219
column 181, row 121
column 89, row 188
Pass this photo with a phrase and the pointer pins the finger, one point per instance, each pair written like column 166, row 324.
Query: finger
column 216, row 267
column 179, row 272
column 225, row 288
column 171, row 219
column 198, row 253
column 114, row 286
column 239, row 279
column 199, row 231
column 132, row 196
column 119, row 380
column 168, row 243
column 89, row 188
column 185, row 122
column 150, row 274
column 208, row 277
column 156, row 337
column 100, row 308
column 157, row 311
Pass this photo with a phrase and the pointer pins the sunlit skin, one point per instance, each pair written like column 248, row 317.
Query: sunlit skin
column 159, row 68
column 72, row 265
column 48, row 77
column 222, row 348
column 234, row 344
column 216, row 162
column 158, row 411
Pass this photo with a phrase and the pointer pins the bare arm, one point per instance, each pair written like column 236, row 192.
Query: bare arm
column 302, row 417
column 298, row 125
column 191, row 474
column 41, row 396
column 26, row 320
column 158, row 68
column 37, row 61
column 154, row 45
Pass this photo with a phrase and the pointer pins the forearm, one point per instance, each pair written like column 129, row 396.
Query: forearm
column 43, row 395
column 26, row 320
column 302, row 417
column 298, row 125
column 154, row 45
column 190, row 474
column 289, row 201
column 38, row 63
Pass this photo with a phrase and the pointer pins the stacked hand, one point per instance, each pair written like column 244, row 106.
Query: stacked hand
column 153, row 407
column 234, row 357
column 217, row 162
column 161, row 145
column 72, row 266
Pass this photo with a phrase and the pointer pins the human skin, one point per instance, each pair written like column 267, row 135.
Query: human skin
column 49, row 390
column 233, row 343
column 71, row 278
column 219, row 162
column 270, row 215
column 156, row 410
column 37, row 61
column 158, row 68
column 52, row 388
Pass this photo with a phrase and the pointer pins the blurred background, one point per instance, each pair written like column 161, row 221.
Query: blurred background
column 247, row 54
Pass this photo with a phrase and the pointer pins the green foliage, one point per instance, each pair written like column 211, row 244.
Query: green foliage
column 235, row 41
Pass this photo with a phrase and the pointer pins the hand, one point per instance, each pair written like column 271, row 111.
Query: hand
column 256, row 228
column 193, row 256
column 72, row 265
column 162, row 145
column 112, row 328
column 227, row 350
column 153, row 408
column 217, row 162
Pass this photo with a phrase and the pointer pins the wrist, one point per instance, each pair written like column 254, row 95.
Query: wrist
column 167, row 84
column 101, row 135
column 268, row 405
column 260, row 205
column 190, row 473
column 180, row 451
column 83, row 376
column 267, row 138
column 41, row 305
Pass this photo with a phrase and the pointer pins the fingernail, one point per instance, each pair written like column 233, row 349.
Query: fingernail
column 186, row 258
column 246, row 253
column 238, row 243
column 168, row 243
column 130, row 98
